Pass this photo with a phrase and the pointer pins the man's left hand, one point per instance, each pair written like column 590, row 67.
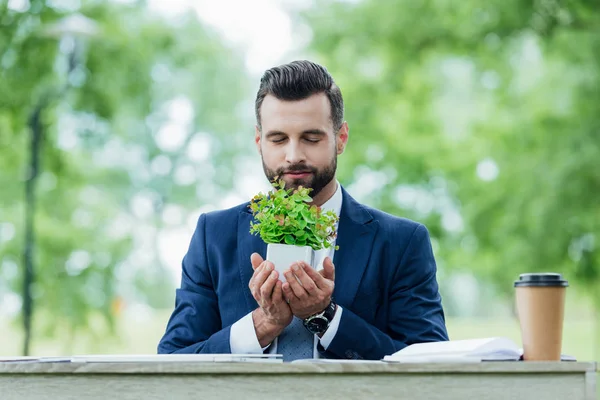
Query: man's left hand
column 312, row 294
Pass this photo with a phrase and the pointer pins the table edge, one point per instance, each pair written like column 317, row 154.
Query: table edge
column 224, row 368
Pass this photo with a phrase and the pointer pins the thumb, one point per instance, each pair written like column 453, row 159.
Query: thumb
column 328, row 271
column 255, row 260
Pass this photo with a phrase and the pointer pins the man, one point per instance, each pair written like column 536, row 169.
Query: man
column 373, row 296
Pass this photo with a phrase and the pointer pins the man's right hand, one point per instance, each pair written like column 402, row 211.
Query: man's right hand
column 274, row 313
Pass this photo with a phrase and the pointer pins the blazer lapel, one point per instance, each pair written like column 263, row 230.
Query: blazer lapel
column 248, row 244
column 356, row 232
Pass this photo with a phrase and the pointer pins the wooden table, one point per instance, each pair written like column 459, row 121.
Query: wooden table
column 498, row 380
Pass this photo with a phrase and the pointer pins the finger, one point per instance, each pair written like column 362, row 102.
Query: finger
column 295, row 285
column 266, row 290
column 277, row 296
column 255, row 260
column 288, row 293
column 316, row 277
column 260, row 276
column 328, row 269
column 299, row 269
column 257, row 270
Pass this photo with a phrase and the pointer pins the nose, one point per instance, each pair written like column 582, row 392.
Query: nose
column 294, row 153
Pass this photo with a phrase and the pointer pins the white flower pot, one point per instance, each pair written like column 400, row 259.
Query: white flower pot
column 284, row 255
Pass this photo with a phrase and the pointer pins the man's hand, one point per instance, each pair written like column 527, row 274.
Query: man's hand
column 312, row 294
column 273, row 314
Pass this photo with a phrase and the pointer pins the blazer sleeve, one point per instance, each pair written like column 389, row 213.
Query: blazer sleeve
column 415, row 309
column 195, row 325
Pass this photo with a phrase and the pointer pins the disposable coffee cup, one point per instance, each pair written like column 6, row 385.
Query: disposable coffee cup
column 540, row 308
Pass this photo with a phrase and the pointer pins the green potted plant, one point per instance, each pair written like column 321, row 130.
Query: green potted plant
column 292, row 228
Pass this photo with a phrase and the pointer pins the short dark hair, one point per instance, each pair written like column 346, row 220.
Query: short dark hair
column 299, row 80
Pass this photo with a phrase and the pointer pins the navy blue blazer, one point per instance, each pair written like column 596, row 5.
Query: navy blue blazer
column 385, row 280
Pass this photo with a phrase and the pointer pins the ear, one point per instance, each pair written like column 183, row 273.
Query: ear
column 257, row 136
column 342, row 138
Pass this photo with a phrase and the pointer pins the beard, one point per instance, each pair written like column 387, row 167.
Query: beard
column 318, row 179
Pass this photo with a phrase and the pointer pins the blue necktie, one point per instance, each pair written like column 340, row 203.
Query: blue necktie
column 295, row 342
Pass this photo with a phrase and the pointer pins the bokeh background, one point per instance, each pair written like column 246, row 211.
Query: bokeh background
column 122, row 121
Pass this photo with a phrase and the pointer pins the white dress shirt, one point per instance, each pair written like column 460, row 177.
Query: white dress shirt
column 242, row 336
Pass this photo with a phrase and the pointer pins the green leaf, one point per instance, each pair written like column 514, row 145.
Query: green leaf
column 284, row 216
column 289, row 239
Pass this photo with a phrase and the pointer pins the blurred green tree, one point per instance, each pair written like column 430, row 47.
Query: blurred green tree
column 479, row 119
column 148, row 105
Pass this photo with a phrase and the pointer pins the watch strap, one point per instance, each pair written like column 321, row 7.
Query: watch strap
column 327, row 314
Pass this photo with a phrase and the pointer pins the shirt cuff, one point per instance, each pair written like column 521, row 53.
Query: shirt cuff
column 242, row 337
column 333, row 328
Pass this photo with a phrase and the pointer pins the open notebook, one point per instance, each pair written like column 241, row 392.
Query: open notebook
column 471, row 350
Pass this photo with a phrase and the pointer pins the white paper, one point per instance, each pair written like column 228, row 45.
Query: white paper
column 472, row 350
column 19, row 359
column 150, row 358
column 435, row 359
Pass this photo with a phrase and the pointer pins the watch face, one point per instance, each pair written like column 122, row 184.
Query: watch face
column 318, row 325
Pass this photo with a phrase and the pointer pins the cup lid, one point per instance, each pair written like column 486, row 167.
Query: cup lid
column 548, row 279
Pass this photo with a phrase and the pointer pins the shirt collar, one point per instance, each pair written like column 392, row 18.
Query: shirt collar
column 335, row 202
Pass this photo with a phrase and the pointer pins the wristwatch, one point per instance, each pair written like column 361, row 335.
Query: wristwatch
column 318, row 323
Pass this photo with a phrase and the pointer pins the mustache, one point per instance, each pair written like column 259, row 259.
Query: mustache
column 296, row 168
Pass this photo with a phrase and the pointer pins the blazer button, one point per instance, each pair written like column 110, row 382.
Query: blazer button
column 349, row 354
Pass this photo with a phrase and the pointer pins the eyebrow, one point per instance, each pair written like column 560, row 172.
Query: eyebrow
column 315, row 131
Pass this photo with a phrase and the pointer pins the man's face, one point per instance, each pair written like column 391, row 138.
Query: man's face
column 298, row 143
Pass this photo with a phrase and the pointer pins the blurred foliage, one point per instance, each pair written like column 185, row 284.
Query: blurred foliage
column 479, row 119
column 104, row 153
